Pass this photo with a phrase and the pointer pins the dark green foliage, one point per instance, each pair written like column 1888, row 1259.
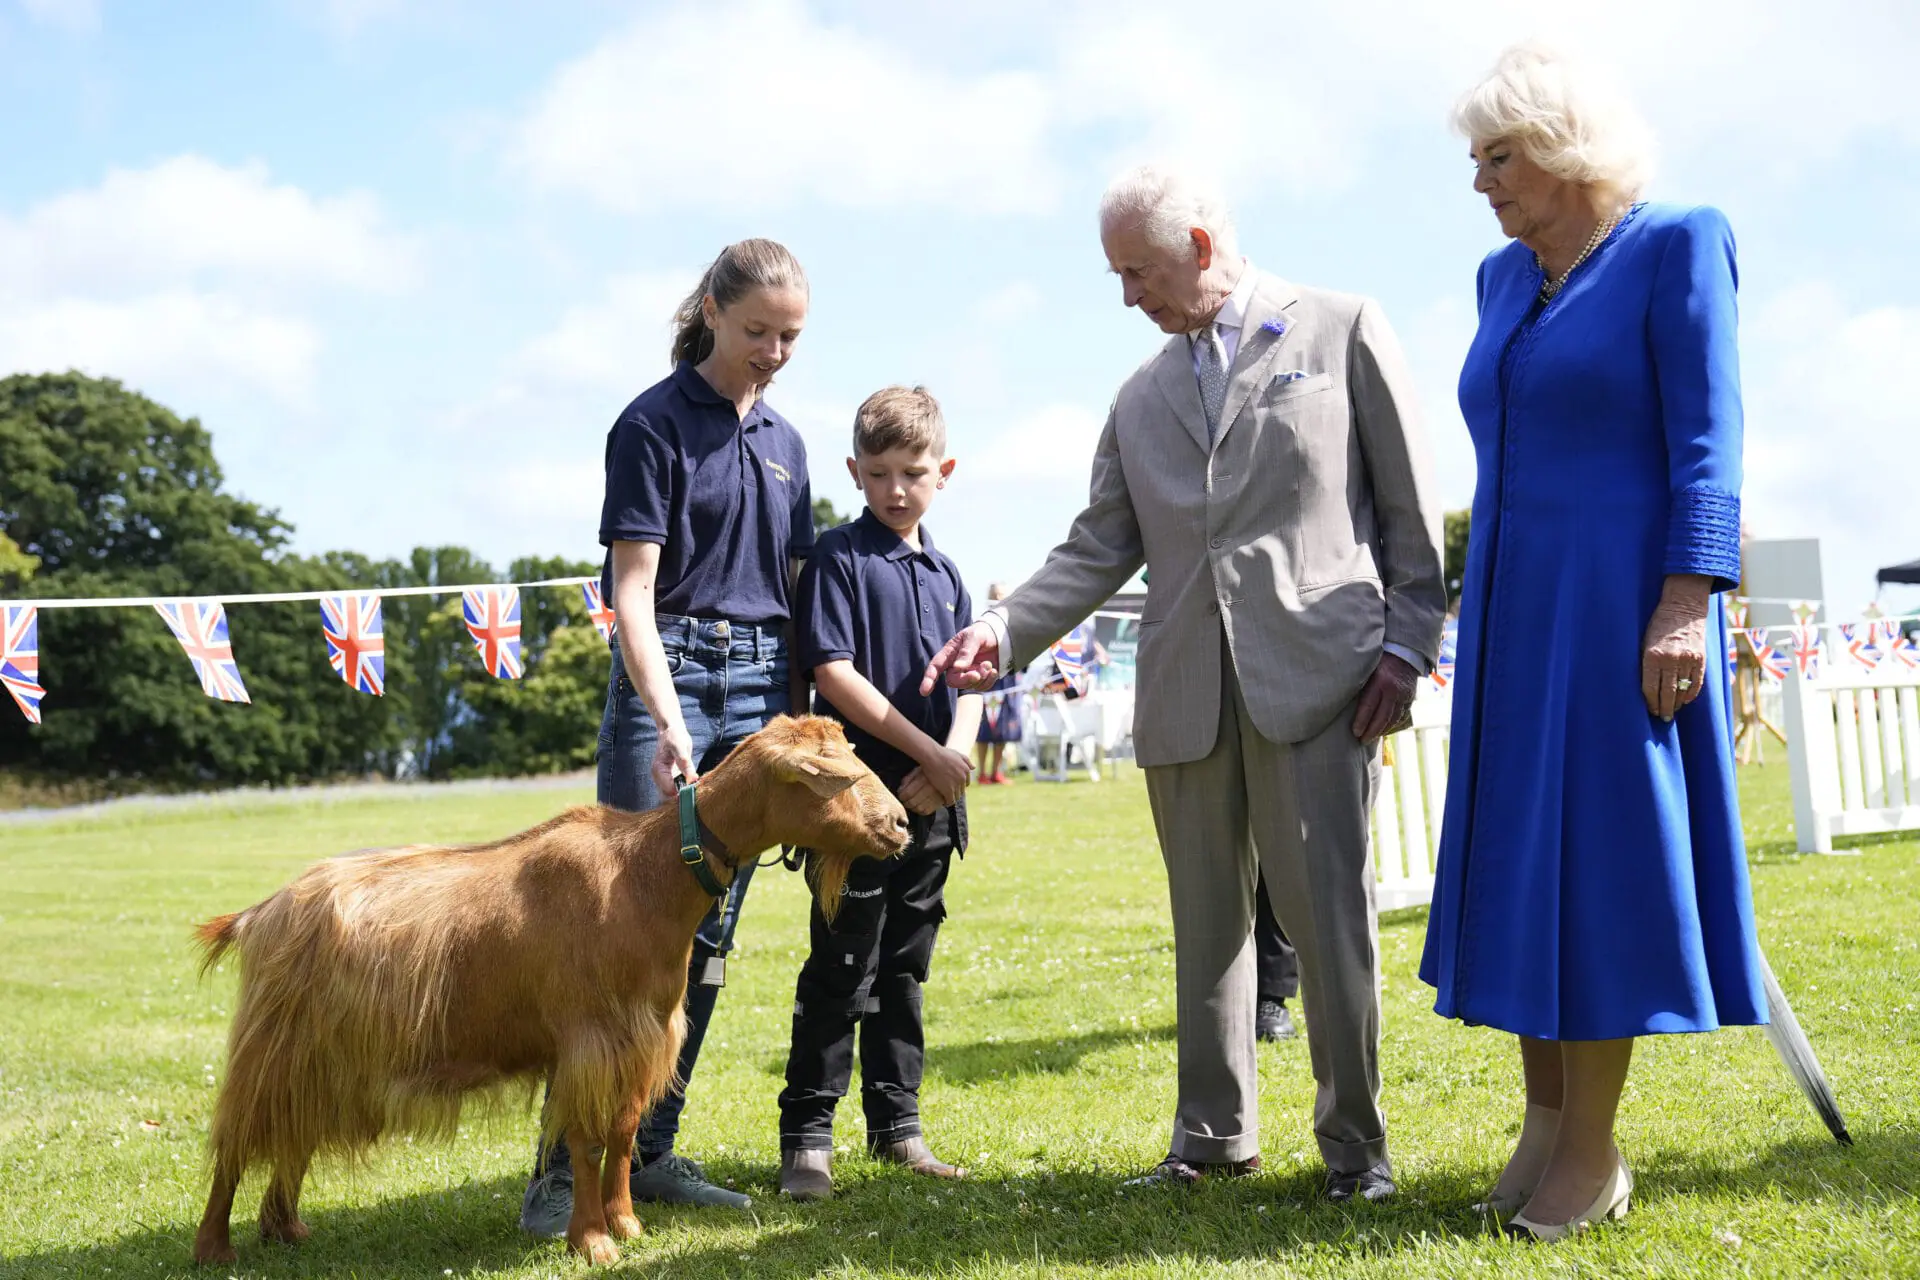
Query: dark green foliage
column 825, row 517
column 1455, row 551
column 112, row 494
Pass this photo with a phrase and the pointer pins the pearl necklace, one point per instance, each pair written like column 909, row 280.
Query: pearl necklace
column 1601, row 230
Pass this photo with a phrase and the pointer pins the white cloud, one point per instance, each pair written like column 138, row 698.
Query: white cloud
column 1053, row 444
column 187, row 219
column 612, row 342
column 188, row 276
column 71, row 15
column 712, row 104
column 1832, row 432
column 165, row 342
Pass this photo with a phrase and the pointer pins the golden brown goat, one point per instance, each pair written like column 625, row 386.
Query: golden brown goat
column 378, row 989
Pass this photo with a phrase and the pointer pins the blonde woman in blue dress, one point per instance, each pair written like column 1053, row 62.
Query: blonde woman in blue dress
column 1591, row 885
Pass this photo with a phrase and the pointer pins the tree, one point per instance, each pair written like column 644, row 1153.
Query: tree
column 16, row 566
column 115, row 495
column 825, row 517
column 1455, row 549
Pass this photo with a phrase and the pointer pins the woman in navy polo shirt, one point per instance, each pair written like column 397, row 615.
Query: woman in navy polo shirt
column 708, row 515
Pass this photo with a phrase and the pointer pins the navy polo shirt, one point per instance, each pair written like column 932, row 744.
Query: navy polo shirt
column 727, row 499
column 869, row 598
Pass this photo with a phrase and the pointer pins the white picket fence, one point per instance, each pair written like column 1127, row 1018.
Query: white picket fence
column 1853, row 747
column 1407, row 808
column 1410, row 802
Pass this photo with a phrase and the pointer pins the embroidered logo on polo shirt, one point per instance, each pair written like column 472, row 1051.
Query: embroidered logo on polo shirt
column 780, row 471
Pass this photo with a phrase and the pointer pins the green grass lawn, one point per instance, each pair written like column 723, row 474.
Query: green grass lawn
column 1050, row 1073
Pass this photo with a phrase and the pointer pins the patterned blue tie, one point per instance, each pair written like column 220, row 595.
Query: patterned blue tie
column 1213, row 378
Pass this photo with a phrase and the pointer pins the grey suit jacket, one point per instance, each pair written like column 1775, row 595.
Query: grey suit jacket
column 1305, row 538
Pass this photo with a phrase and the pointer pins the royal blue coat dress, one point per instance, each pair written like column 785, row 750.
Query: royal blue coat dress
column 1591, row 882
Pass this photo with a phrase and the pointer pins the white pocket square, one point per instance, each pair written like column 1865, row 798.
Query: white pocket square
column 1290, row 375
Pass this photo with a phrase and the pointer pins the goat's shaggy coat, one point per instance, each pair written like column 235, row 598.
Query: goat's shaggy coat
column 379, row 989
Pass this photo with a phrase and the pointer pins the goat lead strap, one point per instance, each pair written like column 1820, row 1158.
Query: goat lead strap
column 692, row 852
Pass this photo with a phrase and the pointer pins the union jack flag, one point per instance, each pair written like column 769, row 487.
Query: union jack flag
column 20, row 657
column 1806, row 649
column 1863, row 643
column 1070, row 657
column 597, row 610
column 1442, row 672
column 201, row 630
column 493, row 619
column 1774, row 662
column 1900, row 646
column 356, row 643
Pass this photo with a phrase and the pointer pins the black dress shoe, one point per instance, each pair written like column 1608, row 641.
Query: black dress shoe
column 1175, row 1172
column 1369, row 1184
column 1271, row 1021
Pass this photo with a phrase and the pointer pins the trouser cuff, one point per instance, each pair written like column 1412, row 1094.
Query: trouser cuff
column 899, row 1131
column 1210, row 1148
column 807, row 1141
column 1351, row 1157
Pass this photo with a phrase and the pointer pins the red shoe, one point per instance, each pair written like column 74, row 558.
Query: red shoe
column 998, row 778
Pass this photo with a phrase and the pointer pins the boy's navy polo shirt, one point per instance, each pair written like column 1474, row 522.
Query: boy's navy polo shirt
column 727, row 499
column 869, row 598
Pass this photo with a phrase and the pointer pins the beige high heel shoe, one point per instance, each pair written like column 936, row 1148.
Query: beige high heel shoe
column 1517, row 1181
column 1611, row 1203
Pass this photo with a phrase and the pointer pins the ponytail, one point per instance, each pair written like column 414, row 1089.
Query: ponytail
column 740, row 269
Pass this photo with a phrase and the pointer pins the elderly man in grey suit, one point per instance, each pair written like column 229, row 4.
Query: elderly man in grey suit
column 1267, row 467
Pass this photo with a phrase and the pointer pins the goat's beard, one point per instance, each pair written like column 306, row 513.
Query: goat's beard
column 827, row 872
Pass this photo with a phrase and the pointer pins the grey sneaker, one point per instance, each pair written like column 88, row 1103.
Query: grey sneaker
column 674, row 1179
column 548, row 1205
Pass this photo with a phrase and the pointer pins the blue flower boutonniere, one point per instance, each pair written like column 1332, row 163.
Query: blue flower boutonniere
column 1275, row 326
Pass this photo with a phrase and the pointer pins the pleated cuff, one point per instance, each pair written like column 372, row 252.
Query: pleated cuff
column 1703, row 535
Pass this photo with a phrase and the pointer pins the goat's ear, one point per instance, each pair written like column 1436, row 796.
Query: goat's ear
column 824, row 775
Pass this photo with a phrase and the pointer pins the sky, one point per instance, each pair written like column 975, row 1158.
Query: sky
column 408, row 259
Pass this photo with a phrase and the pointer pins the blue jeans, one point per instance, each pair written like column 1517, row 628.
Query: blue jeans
column 732, row 679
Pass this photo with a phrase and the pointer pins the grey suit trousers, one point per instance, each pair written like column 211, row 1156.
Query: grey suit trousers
column 1302, row 809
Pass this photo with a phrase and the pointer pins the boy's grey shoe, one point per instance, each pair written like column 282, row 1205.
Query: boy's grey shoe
column 548, row 1205
column 674, row 1179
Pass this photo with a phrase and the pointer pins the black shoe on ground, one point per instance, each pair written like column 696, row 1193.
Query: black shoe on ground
column 1373, row 1184
column 1271, row 1021
column 1175, row 1172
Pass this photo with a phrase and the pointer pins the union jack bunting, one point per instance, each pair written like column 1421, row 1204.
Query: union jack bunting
column 493, row 619
column 356, row 644
column 1899, row 646
column 1806, row 649
column 1863, row 642
column 598, row 611
column 1737, row 613
column 1774, row 662
column 1070, row 657
column 201, row 630
column 20, row 657
column 1442, row 672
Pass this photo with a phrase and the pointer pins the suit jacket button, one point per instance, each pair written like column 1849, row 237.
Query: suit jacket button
column 1218, row 543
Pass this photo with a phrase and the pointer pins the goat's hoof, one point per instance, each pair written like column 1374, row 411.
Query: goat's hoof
column 624, row 1226
column 291, row 1231
column 597, row 1248
column 207, row 1253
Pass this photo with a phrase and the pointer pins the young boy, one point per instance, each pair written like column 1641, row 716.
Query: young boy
column 876, row 602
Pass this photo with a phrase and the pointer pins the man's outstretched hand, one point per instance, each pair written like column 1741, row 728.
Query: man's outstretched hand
column 971, row 661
